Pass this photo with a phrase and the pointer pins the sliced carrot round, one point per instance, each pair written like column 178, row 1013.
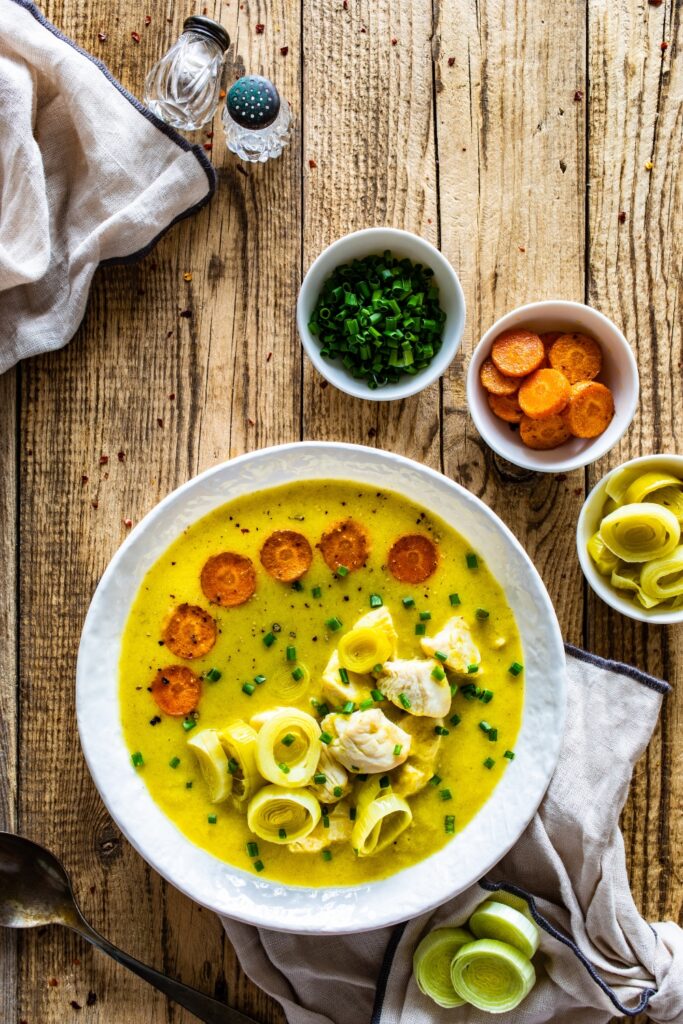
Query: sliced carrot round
column 517, row 352
column 413, row 558
column 506, row 407
column 496, row 382
column 190, row 632
column 228, row 579
column 286, row 555
column 176, row 689
column 544, row 393
column 591, row 408
column 544, row 434
column 345, row 543
column 577, row 356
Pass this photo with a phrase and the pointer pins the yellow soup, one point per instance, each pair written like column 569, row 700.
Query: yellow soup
column 432, row 725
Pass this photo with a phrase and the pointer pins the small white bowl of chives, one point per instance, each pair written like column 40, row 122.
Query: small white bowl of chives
column 381, row 314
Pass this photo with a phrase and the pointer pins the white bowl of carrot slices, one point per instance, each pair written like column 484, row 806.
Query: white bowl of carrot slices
column 552, row 386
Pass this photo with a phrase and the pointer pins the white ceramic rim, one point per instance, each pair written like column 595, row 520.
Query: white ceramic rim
column 251, row 898
column 332, row 369
column 587, row 524
column 528, row 458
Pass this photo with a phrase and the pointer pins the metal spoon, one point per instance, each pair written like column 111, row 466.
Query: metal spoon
column 35, row 890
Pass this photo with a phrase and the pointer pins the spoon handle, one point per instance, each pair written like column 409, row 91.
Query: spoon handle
column 202, row 1006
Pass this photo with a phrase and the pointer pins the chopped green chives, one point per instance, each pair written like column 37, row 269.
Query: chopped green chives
column 342, row 571
column 288, row 739
column 248, row 688
column 455, row 719
column 320, row 778
column 174, row 762
column 408, row 602
column 259, row 680
column 337, row 791
column 233, row 766
column 326, row 821
column 397, row 749
column 344, row 676
column 435, row 780
column 471, row 669
column 269, row 639
column 485, row 727
column 284, row 768
column 493, row 735
column 282, row 833
column 482, row 614
column 321, row 708
column 363, row 777
column 365, row 705
column 352, row 813
column 376, row 601
column 325, row 737
column 440, row 731
column 297, row 585
column 469, row 691
column 213, row 675
column 489, row 763
column 405, row 702
column 189, row 723
column 188, row 785
column 425, row 616
column 472, row 561
column 515, row 668
column 252, row 849
column 438, row 673
column 259, row 865
column 212, row 819
column 453, row 687
column 485, row 696
column 298, row 674
column 377, row 668
column 510, row 754
column 384, row 782
column 376, row 696
column 449, row 824
column 440, row 656
column 445, row 794
column 420, row 629
column 334, row 623
column 327, row 855
column 317, row 592
column 454, row 599
column 348, row 708
column 291, row 653
column 137, row 759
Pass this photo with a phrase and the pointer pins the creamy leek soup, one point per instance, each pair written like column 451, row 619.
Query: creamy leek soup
column 321, row 683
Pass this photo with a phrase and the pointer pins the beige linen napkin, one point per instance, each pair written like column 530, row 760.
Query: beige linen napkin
column 87, row 175
column 598, row 958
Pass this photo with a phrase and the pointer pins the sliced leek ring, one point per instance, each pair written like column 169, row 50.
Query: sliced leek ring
column 380, row 824
column 282, row 815
column 662, row 578
column 286, row 688
column 494, row 920
column 639, row 532
column 239, row 743
column 605, row 560
column 213, row 764
column 288, row 748
column 510, row 900
column 671, row 498
column 627, row 577
column 618, row 484
column 432, row 964
column 364, row 647
column 492, row 975
column 649, row 483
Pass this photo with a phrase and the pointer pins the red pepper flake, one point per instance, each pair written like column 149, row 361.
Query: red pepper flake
column 521, row 248
column 84, row 479
column 345, row 5
column 222, row 94
column 95, row 504
column 269, row 357
column 622, row 217
column 172, row 396
column 102, row 36
column 92, row 997
column 394, row 41
column 104, row 459
column 76, row 962
column 75, row 1005
column 451, row 61
column 655, row 3
column 128, row 523
column 260, row 29
column 578, row 96
column 363, row 28
column 186, row 313
column 135, row 36
column 148, row 19
column 372, row 432
column 323, row 384
column 208, row 146
column 52, row 982
column 663, row 47
column 209, row 135
column 252, row 423
column 160, row 422
column 121, row 456
column 312, row 164
column 284, row 50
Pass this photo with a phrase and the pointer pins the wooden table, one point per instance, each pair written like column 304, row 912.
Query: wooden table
column 538, row 143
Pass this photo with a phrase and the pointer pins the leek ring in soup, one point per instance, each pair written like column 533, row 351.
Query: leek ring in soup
column 288, row 748
column 662, row 578
column 213, row 764
column 282, row 815
column 368, row 791
column 493, row 920
column 639, row 532
column 380, row 823
column 492, row 975
column 363, row 648
column 432, row 964
column 647, row 484
column 239, row 743
column 605, row 561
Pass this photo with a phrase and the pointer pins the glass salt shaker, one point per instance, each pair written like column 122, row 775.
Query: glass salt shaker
column 183, row 88
column 256, row 119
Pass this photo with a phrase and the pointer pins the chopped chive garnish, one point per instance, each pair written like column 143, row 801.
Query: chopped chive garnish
column 408, row 602
column 515, row 668
column 137, row 759
column 188, row 785
column 440, row 656
column 420, row 629
column 174, row 762
column 455, row 719
column 472, row 561
column 298, row 674
column 326, row 821
column 342, row 571
column 405, row 702
column 189, row 723
column 337, row 791
column 352, row 813
column 248, row 688
column 471, row 669
column 288, row 739
column 482, row 614
column 259, row 865
column 252, row 849
column 376, row 601
column 297, row 585
column 233, row 766
column 325, row 737
column 510, row 754
column 425, row 616
column 291, row 653
column 493, row 735
column 438, row 673
column 284, row 768
column 269, row 639
column 363, row 777
column 334, row 623
column 321, row 708
column 485, row 727
column 317, row 592
column 454, row 599
column 259, row 680
column 212, row 819
column 435, row 780
column 489, row 763
column 485, row 696
column 376, row 695
column 453, row 687
column 344, row 676
column 440, row 731
column 320, row 778
column 449, row 824
column 378, row 668
column 348, row 708
column 469, row 691
column 445, row 794
column 384, row 782
column 327, row 855
column 365, row 705
column 282, row 833
column 397, row 749
column 213, row 675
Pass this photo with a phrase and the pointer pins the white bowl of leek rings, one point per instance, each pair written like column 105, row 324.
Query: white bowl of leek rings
column 630, row 539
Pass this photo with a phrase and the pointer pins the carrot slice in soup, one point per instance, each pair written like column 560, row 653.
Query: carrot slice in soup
column 345, row 543
column 591, row 408
column 496, row 382
column 190, row 632
column 286, row 555
column 506, row 407
column 544, row 434
column 577, row 356
column 413, row 558
column 517, row 352
column 228, row 579
column 176, row 690
column 543, row 394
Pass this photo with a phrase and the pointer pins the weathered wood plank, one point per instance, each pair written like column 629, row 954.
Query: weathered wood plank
column 369, row 160
column 511, row 158
column 636, row 98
